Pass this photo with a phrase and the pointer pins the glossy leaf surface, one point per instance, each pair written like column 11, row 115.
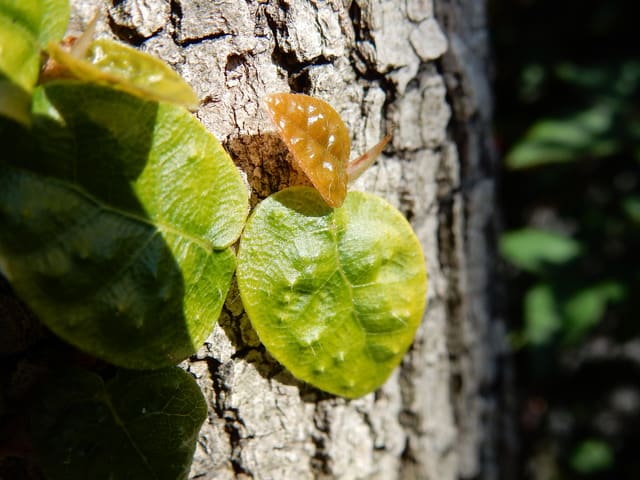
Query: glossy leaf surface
column 318, row 139
column 116, row 216
column 53, row 24
column 137, row 425
column 120, row 66
column 335, row 295
column 25, row 25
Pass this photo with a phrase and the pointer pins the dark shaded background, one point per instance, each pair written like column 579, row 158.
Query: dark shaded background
column 568, row 128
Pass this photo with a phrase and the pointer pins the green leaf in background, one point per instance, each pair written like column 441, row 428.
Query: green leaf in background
column 548, row 314
column 138, row 425
column 24, row 27
column 615, row 80
column 631, row 207
column 115, row 227
column 335, row 295
column 591, row 456
column 120, row 66
column 541, row 316
column 586, row 308
column 555, row 140
column 531, row 249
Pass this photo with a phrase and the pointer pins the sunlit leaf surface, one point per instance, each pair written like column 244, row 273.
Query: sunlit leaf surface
column 120, row 66
column 116, row 216
column 335, row 295
column 318, row 139
column 25, row 25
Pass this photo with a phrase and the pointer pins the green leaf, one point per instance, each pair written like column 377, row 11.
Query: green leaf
column 555, row 140
column 335, row 295
column 120, row 66
column 19, row 56
column 592, row 456
column 586, row 307
column 136, row 425
column 541, row 316
column 115, row 227
column 548, row 314
column 54, row 21
column 25, row 25
column 531, row 249
column 14, row 101
column 631, row 207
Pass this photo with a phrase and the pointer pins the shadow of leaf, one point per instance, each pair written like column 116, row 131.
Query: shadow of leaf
column 92, row 235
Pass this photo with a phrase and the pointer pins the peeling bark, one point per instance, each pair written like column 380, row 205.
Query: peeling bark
column 381, row 65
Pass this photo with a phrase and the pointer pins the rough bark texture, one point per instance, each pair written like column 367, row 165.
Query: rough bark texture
column 380, row 63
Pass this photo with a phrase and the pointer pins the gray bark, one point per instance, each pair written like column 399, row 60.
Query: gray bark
column 382, row 65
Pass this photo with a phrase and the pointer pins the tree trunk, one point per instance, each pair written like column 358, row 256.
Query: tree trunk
column 382, row 65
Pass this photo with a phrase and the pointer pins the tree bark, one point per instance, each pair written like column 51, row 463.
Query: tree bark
column 382, row 65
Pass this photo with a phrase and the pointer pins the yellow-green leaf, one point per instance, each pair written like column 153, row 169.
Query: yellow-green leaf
column 335, row 295
column 120, row 66
column 25, row 25
column 116, row 216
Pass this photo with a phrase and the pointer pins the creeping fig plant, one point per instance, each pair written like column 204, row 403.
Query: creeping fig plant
column 335, row 295
column 136, row 424
column 120, row 66
column 319, row 142
column 116, row 220
column 117, row 213
column 25, row 27
column 110, row 63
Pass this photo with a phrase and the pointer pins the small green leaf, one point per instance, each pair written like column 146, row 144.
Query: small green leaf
column 549, row 314
column 541, row 315
column 120, row 66
column 115, row 225
column 556, row 140
column 531, row 249
column 25, row 25
column 586, row 307
column 335, row 295
column 592, row 456
column 136, row 425
column 631, row 207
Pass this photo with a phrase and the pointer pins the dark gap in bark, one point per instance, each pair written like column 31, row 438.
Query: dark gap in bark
column 408, row 462
column 320, row 462
column 233, row 423
column 175, row 16
column 126, row 34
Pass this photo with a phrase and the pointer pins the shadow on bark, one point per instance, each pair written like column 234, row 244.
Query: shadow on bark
column 243, row 337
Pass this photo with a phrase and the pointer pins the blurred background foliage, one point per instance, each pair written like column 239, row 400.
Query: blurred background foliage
column 568, row 128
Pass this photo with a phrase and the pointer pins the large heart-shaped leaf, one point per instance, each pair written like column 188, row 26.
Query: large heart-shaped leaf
column 335, row 295
column 25, row 26
column 116, row 216
column 136, row 425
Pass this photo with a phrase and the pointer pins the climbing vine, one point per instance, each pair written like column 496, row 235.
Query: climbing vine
column 119, row 216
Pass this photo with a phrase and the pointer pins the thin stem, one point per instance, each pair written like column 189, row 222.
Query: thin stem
column 81, row 45
column 360, row 164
